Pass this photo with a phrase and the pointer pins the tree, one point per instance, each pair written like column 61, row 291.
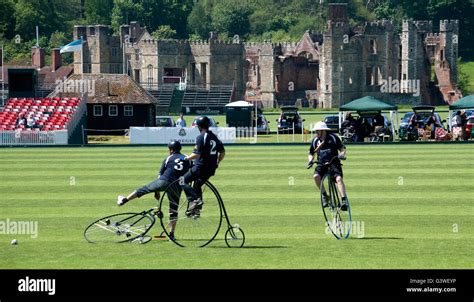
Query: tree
column 98, row 11
column 31, row 13
column 231, row 17
column 164, row 32
column 125, row 11
column 7, row 25
column 199, row 21
column 58, row 39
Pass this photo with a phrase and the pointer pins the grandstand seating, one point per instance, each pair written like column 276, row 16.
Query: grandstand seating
column 194, row 96
column 217, row 96
column 50, row 113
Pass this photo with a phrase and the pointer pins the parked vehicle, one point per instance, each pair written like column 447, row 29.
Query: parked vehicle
column 290, row 120
column 164, row 121
column 412, row 121
column 262, row 124
column 470, row 127
column 469, row 113
column 332, row 121
column 380, row 134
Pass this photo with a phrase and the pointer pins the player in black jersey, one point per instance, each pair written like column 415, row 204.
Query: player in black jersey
column 208, row 153
column 173, row 167
column 328, row 146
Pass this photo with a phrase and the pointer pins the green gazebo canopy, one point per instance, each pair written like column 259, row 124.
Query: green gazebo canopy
column 466, row 102
column 367, row 103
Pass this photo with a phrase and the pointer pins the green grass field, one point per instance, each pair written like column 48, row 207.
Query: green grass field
column 468, row 68
column 415, row 202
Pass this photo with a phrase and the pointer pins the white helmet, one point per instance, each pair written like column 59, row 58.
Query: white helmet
column 320, row 126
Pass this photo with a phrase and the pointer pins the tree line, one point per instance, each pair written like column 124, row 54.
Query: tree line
column 276, row 20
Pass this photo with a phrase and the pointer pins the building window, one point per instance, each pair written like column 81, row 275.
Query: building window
column 369, row 76
column 128, row 110
column 114, row 52
column 204, row 73
column 150, row 74
column 97, row 110
column 137, row 75
column 373, row 47
column 137, row 54
column 91, row 31
column 113, row 110
column 193, row 73
column 377, row 76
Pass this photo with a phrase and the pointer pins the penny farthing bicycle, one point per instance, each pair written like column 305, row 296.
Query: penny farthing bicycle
column 197, row 230
column 193, row 231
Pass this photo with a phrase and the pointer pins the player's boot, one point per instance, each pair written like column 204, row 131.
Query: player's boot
column 194, row 208
column 344, row 204
column 121, row 200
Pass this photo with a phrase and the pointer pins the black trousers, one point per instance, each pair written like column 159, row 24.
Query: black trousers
column 199, row 177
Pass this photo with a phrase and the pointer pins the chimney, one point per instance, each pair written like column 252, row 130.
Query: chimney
column 338, row 12
column 37, row 54
column 55, row 59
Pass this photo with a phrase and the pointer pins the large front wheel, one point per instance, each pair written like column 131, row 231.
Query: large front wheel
column 338, row 222
column 119, row 228
column 190, row 230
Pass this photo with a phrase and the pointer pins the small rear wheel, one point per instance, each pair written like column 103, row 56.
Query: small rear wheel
column 235, row 237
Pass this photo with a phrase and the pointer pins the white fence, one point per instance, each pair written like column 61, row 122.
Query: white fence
column 163, row 135
column 12, row 138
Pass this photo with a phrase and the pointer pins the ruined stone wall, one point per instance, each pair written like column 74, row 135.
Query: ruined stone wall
column 227, row 65
column 264, row 55
column 297, row 75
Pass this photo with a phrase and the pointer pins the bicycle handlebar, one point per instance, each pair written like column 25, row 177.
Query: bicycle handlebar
column 311, row 163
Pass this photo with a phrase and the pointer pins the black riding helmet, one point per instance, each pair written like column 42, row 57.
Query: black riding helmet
column 174, row 145
column 203, row 122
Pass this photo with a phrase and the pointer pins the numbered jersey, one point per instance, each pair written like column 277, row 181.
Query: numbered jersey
column 208, row 145
column 173, row 167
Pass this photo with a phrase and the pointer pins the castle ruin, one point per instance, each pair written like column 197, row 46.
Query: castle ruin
column 323, row 70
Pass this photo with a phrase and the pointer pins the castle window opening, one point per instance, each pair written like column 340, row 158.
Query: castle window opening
column 173, row 75
column 373, row 46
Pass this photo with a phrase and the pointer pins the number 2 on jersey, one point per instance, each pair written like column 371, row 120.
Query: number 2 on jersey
column 213, row 147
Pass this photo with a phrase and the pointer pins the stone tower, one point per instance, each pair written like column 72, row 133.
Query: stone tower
column 337, row 31
column 102, row 52
column 449, row 30
column 414, row 59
